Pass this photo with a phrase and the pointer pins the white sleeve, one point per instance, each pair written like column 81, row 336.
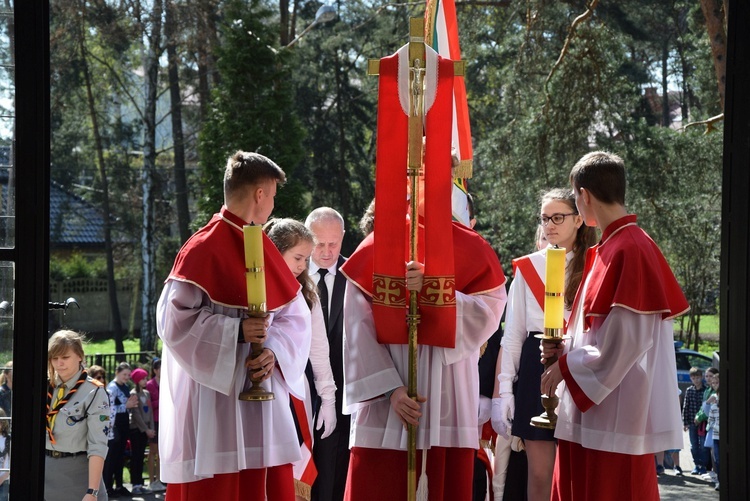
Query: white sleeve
column 289, row 339
column 369, row 370
column 202, row 342
column 621, row 342
column 514, row 334
column 477, row 318
column 320, row 356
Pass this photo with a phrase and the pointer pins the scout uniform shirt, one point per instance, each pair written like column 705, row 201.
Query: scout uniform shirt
column 83, row 422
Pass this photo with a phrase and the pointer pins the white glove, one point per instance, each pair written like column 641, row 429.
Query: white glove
column 485, row 409
column 503, row 409
column 327, row 417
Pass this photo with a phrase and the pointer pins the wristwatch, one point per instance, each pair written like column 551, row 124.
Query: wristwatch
column 93, row 492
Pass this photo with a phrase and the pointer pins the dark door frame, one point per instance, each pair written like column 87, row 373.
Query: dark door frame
column 31, row 252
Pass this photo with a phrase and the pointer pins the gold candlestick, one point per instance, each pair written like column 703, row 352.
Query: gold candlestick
column 256, row 301
column 554, row 304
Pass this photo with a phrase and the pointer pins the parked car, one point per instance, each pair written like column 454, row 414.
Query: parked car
column 685, row 360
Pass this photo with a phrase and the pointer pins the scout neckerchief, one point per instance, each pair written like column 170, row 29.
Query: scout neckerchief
column 60, row 402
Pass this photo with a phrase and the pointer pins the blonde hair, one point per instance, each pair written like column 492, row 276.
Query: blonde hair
column 4, row 372
column 59, row 344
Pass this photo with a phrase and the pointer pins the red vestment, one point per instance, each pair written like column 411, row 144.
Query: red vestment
column 199, row 263
column 619, row 400
column 437, row 303
column 210, row 443
column 476, row 267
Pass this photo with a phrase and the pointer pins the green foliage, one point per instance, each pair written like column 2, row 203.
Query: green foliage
column 337, row 102
column 528, row 135
column 251, row 108
column 675, row 187
column 77, row 266
column 312, row 109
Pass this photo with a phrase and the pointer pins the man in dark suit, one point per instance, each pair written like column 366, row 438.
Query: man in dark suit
column 331, row 455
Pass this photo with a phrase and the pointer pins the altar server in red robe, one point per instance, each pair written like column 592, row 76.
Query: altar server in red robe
column 461, row 299
column 616, row 375
column 212, row 445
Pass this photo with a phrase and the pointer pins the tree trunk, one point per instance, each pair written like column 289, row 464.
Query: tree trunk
column 106, row 216
column 207, row 40
column 666, row 118
column 343, row 172
column 180, row 178
column 686, row 98
column 148, row 176
column 713, row 11
column 284, row 22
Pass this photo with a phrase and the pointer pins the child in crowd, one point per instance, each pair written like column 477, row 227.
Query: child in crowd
column 153, row 444
column 141, row 429
column 711, row 409
column 701, row 420
column 690, row 407
column 4, row 455
column 120, row 401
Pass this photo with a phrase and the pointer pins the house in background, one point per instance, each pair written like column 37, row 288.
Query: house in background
column 76, row 227
column 655, row 105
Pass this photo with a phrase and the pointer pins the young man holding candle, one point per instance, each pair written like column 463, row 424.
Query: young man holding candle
column 211, row 444
column 617, row 405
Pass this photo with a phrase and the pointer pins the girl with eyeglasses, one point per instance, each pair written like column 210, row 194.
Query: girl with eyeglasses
column 518, row 369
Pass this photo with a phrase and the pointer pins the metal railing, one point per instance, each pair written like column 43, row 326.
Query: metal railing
column 110, row 361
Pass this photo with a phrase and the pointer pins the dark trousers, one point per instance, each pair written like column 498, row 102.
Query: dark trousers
column 331, row 456
column 698, row 451
column 115, row 457
column 138, row 441
column 716, row 456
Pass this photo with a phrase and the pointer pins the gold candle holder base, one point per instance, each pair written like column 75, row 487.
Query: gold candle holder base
column 548, row 419
column 256, row 393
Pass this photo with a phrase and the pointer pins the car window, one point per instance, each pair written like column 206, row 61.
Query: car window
column 683, row 363
column 702, row 362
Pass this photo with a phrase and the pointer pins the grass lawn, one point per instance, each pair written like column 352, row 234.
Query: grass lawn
column 108, row 346
column 709, row 334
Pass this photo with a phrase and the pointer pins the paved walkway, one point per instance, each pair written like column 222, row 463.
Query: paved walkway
column 687, row 486
column 671, row 486
column 143, row 497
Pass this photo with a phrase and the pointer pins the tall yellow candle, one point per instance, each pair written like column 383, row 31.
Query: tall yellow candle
column 554, row 288
column 254, row 264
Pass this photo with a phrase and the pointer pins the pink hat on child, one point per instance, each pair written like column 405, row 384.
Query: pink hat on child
column 137, row 375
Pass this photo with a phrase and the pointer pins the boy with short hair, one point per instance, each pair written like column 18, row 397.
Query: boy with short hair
column 617, row 405
column 690, row 406
column 211, row 444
